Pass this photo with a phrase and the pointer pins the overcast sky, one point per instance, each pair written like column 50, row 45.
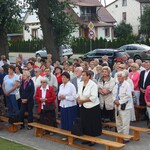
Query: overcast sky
column 107, row 1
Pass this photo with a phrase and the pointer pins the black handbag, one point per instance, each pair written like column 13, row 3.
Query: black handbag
column 123, row 106
column 48, row 107
column 77, row 127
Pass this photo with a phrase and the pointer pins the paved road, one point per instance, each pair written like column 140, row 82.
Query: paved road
column 27, row 137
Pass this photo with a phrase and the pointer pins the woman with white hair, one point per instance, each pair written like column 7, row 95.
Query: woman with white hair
column 26, row 93
column 45, row 96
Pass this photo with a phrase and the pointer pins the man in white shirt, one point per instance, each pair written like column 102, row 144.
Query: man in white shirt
column 122, row 98
column 52, row 79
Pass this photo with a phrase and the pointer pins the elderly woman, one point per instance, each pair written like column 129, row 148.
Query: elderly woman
column 45, row 96
column 135, row 76
column 106, row 85
column 26, row 93
column 89, row 107
column 68, row 104
column 9, row 86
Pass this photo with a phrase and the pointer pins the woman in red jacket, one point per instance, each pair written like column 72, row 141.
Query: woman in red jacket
column 45, row 95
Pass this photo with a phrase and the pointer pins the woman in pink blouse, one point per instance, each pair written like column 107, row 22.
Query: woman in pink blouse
column 135, row 76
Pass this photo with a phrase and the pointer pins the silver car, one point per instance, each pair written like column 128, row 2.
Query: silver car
column 64, row 50
column 137, row 51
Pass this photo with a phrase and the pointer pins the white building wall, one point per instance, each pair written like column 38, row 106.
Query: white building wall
column 132, row 13
column 28, row 34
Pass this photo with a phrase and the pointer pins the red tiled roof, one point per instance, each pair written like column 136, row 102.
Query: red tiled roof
column 105, row 16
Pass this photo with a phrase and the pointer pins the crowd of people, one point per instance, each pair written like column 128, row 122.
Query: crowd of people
column 93, row 92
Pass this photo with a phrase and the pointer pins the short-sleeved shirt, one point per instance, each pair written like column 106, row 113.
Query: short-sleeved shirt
column 9, row 83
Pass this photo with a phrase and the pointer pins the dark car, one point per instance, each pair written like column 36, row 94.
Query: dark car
column 113, row 55
column 137, row 51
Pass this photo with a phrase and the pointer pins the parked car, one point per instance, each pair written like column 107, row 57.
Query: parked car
column 137, row 51
column 64, row 50
column 113, row 55
column 41, row 53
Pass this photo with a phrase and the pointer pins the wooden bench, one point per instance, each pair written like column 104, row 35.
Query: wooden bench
column 12, row 127
column 138, row 110
column 119, row 136
column 70, row 137
column 136, row 130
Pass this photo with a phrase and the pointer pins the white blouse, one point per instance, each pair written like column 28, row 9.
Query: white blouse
column 69, row 91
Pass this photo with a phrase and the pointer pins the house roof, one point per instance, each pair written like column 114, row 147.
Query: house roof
column 105, row 16
column 111, row 3
column 144, row 1
column 87, row 2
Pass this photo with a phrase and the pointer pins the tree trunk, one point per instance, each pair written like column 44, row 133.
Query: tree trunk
column 48, row 33
column 4, row 50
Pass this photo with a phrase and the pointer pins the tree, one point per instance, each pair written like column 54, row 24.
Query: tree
column 123, row 30
column 9, row 11
column 56, row 23
column 145, row 21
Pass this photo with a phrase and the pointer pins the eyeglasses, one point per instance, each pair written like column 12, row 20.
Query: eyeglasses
column 35, row 71
column 43, row 82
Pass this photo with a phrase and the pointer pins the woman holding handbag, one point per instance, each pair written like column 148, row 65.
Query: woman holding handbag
column 45, row 96
column 26, row 94
column 89, row 107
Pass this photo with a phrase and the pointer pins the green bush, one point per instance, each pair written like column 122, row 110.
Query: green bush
column 79, row 45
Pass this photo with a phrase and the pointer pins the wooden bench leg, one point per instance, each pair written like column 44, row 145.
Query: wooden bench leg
column 119, row 140
column 109, row 147
column 12, row 128
column 38, row 132
column 136, row 135
column 70, row 140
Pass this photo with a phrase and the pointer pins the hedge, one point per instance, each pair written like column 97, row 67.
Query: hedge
column 79, row 45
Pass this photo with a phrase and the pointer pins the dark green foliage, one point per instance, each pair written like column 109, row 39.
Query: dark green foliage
column 79, row 45
column 123, row 30
column 145, row 21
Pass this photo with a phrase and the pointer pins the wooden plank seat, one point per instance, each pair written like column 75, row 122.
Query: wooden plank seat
column 138, row 110
column 12, row 127
column 70, row 137
column 119, row 136
column 136, row 130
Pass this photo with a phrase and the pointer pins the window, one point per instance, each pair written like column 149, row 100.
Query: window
column 35, row 33
column 107, row 33
column 124, row 2
column 124, row 16
column 131, row 48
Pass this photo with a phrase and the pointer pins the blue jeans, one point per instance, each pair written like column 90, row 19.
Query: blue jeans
column 12, row 105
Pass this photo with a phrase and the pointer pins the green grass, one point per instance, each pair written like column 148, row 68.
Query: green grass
column 8, row 145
